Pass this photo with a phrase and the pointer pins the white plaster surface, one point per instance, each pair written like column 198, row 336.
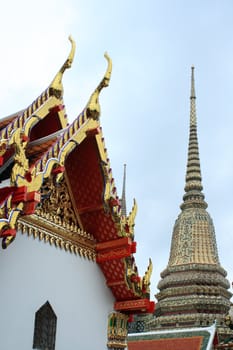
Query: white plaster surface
column 32, row 272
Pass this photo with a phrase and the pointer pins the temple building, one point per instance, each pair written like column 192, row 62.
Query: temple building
column 68, row 275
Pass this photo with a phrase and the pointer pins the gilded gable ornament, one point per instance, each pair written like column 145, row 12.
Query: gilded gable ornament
column 56, row 201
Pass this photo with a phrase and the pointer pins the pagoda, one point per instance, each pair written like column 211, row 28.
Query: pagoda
column 193, row 290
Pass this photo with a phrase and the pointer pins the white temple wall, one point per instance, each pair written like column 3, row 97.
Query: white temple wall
column 33, row 272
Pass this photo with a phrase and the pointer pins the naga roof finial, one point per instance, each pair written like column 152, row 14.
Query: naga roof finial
column 93, row 106
column 56, row 85
column 147, row 277
column 108, row 73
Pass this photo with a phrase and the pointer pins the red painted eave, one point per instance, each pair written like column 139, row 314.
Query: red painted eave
column 86, row 180
column 135, row 306
column 48, row 125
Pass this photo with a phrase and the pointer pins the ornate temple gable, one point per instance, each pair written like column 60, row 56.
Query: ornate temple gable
column 24, row 193
column 85, row 127
column 61, row 190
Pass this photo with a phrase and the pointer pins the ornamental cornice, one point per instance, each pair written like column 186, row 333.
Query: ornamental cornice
column 179, row 321
column 193, row 301
column 57, row 205
column 195, row 289
column 210, row 278
column 75, row 241
column 194, row 267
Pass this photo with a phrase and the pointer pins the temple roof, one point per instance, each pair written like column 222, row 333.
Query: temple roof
column 191, row 338
column 60, row 188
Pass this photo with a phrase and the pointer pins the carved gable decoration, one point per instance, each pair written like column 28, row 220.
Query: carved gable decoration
column 56, row 205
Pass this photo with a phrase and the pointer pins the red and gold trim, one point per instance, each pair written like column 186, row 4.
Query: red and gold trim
column 135, row 306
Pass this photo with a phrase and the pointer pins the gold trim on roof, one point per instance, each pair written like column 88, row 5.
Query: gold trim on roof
column 21, row 175
column 140, row 286
column 21, row 163
column 3, row 146
column 12, row 215
column 147, row 277
column 22, row 116
column 60, row 149
column 127, row 223
column 40, row 112
column 132, row 278
column 76, row 242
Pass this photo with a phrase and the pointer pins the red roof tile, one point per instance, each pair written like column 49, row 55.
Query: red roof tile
column 192, row 343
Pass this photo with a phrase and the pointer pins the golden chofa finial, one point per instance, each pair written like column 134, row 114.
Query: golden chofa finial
column 56, row 87
column 93, row 106
column 108, row 71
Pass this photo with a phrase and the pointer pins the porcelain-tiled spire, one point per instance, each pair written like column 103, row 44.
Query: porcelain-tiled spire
column 193, row 289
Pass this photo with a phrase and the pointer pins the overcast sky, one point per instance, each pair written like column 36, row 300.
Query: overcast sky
column 145, row 110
